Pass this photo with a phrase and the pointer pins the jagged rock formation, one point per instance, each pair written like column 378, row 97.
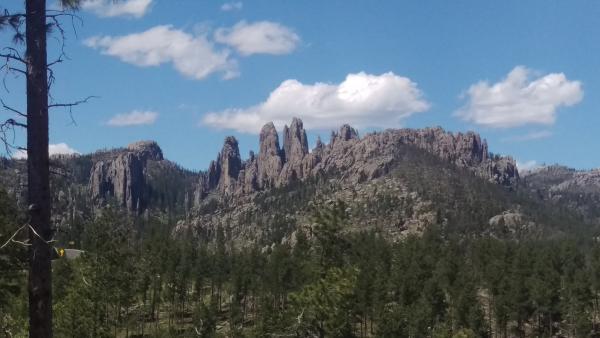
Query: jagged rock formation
column 269, row 161
column 146, row 150
column 511, row 222
column 357, row 169
column 138, row 177
column 398, row 180
column 124, row 176
column 295, row 148
column 229, row 164
column 354, row 158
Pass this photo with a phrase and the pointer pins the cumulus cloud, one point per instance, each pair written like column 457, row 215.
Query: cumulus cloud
column 53, row 149
column 193, row 56
column 528, row 166
column 519, row 99
column 111, row 8
column 263, row 37
column 232, row 6
column 534, row 135
column 134, row 118
column 363, row 100
column 61, row 149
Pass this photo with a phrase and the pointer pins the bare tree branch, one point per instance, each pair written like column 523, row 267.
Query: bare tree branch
column 12, row 57
column 8, row 15
column 8, row 135
column 56, row 23
column 15, row 52
column 12, row 69
column 5, row 106
column 8, row 144
column 12, row 122
column 57, row 61
column 59, row 13
column 73, row 104
column 13, row 236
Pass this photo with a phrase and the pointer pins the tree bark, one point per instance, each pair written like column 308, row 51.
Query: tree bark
column 38, row 187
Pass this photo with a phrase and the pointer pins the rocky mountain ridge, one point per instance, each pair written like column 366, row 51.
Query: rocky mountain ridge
column 397, row 180
column 358, row 159
column 129, row 175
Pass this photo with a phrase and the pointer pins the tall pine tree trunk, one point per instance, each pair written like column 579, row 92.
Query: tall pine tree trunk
column 38, row 187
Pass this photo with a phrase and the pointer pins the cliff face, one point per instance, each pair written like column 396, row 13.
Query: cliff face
column 124, row 177
column 295, row 149
column 356, row 159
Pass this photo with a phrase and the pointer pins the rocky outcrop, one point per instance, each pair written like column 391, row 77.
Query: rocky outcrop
column 123, row 177
column 347, row 155
column 373, row 155
column 248, row 181
column 146, row 150
column 230, row 164
column 346, row 133
column 122, row 174
column 501, row 170
column 461, row 149
column 511, row 222
column 295, row 143
column 295, row 148
column 269, row 160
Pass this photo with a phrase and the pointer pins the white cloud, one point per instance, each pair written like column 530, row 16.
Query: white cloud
column 135, row 118
column 192, row 56
column 534, row 135
column 61, row 149
column 362, row 100
column 53, row 149
column 528, row 166
column 232, row 6
column 112, row 8
column 263, row 37
column 519, row 100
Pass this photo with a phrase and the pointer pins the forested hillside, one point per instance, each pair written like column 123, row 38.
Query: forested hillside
column 136, row 280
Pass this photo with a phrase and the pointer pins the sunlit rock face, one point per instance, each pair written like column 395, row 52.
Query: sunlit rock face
column 123, row 177
column 356, row 158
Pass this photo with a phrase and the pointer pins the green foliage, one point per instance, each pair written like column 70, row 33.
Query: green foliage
column 205, row 318
column 170, row 187
column 330, row 245
column 136, row 278
column 325, row 307
column 74, row 311
column 98, row 288
column 13, row 280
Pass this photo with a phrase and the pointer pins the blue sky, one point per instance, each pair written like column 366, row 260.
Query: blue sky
column 524, row 74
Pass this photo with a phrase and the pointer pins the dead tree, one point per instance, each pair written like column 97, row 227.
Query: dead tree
column 38, row 172
column 38, row 23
